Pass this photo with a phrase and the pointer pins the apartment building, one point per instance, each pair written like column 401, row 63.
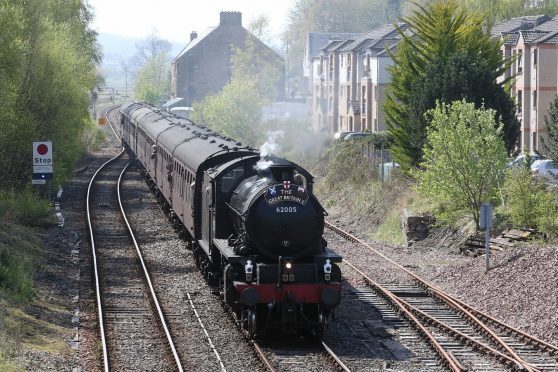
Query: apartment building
column 533, row 41
column 350, row 79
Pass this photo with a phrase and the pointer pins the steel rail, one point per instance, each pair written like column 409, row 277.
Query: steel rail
column 440, row 294
column 263, row 358
column 95, row 266
column 335, row 357
column 211, row 345
column 524, row 336
column 146, row 273
column 448, row 359
column 431, row 320
column 106, row 365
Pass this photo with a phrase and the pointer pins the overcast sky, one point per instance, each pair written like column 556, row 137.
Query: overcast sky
column 173, row 20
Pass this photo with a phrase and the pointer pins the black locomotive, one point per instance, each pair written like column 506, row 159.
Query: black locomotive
column 256, row 230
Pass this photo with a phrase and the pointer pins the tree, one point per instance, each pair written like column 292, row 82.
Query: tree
column 256, row 63
column 550, row 140
column 529, row 202
column 464, row 161
column 259, row 27
column 500, row 10
column 152, row 82
column 234, row 112
column 444, row 39
column 48, row 64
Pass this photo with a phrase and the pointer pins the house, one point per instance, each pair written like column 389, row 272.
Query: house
column 315, row 41
column 204, row 66
column 533, row 41
column 351, row 79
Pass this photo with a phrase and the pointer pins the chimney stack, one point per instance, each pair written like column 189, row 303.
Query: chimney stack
column 193, row 35
column 230, row 19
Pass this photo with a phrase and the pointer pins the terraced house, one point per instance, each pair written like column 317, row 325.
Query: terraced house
column 534, row 43
column 350, row 79
column 350, row 76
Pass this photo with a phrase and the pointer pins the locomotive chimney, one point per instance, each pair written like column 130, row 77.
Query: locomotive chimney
column 193, row 35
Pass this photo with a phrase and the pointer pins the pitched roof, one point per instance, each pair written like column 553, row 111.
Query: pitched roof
column 339, row 46
column 530, row 36
column 550, row 38
column 535, row 29
column 316, row 41
column 549, row 25
column 195, row 42
column 510, row 38
column 381, row 32
column 517, row 24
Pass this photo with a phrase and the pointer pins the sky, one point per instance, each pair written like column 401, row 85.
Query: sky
column 173, row 20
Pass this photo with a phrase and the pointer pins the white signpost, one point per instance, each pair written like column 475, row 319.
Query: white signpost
column 486, row 223
column 42, row 162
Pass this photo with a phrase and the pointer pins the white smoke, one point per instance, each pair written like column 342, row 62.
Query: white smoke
column 270, row 147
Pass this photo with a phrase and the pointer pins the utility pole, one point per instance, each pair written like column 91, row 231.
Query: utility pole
column 287, row 71
column 126, row 74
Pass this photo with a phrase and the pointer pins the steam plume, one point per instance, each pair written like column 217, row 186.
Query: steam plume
column 270, row 147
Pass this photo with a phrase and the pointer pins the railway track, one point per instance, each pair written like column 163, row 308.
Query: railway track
column 463, row 337
column 298, row 356
column 133, row 330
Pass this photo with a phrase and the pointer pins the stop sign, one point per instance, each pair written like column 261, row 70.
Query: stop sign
column 42, row 153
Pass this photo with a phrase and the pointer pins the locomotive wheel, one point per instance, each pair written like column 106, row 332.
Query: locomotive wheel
column 251, row 324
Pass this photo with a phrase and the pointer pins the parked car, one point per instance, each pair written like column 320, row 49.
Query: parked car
column 355, row 135
column 341, row 135
column 546, row 168
column 520, row 160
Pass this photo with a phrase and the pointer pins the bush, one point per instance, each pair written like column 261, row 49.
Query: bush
column 92, row 137
column 25, row 208
column 529, row 203
column 348, row 164
column 18, row 262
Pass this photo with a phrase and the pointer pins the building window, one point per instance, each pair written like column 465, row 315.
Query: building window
column 348, row 67
column 535, row 141
column 519, row 61
column 348, row 92
column 534, row 100
column 519, row 101
column 375, row 92
column 535, row 54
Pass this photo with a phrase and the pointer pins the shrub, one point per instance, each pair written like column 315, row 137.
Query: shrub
column 18, row 262
column 28, row 208
column 347, row 163
column 529, row 202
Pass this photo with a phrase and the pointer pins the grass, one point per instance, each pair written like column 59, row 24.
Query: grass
column 35, row 333
column 390, row 229
column 349, row 187
column 19, row 252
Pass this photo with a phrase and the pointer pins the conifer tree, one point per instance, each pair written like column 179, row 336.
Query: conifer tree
column 441, row 33
column 550, row 140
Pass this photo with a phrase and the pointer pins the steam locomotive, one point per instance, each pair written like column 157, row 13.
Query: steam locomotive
column 253, row 223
